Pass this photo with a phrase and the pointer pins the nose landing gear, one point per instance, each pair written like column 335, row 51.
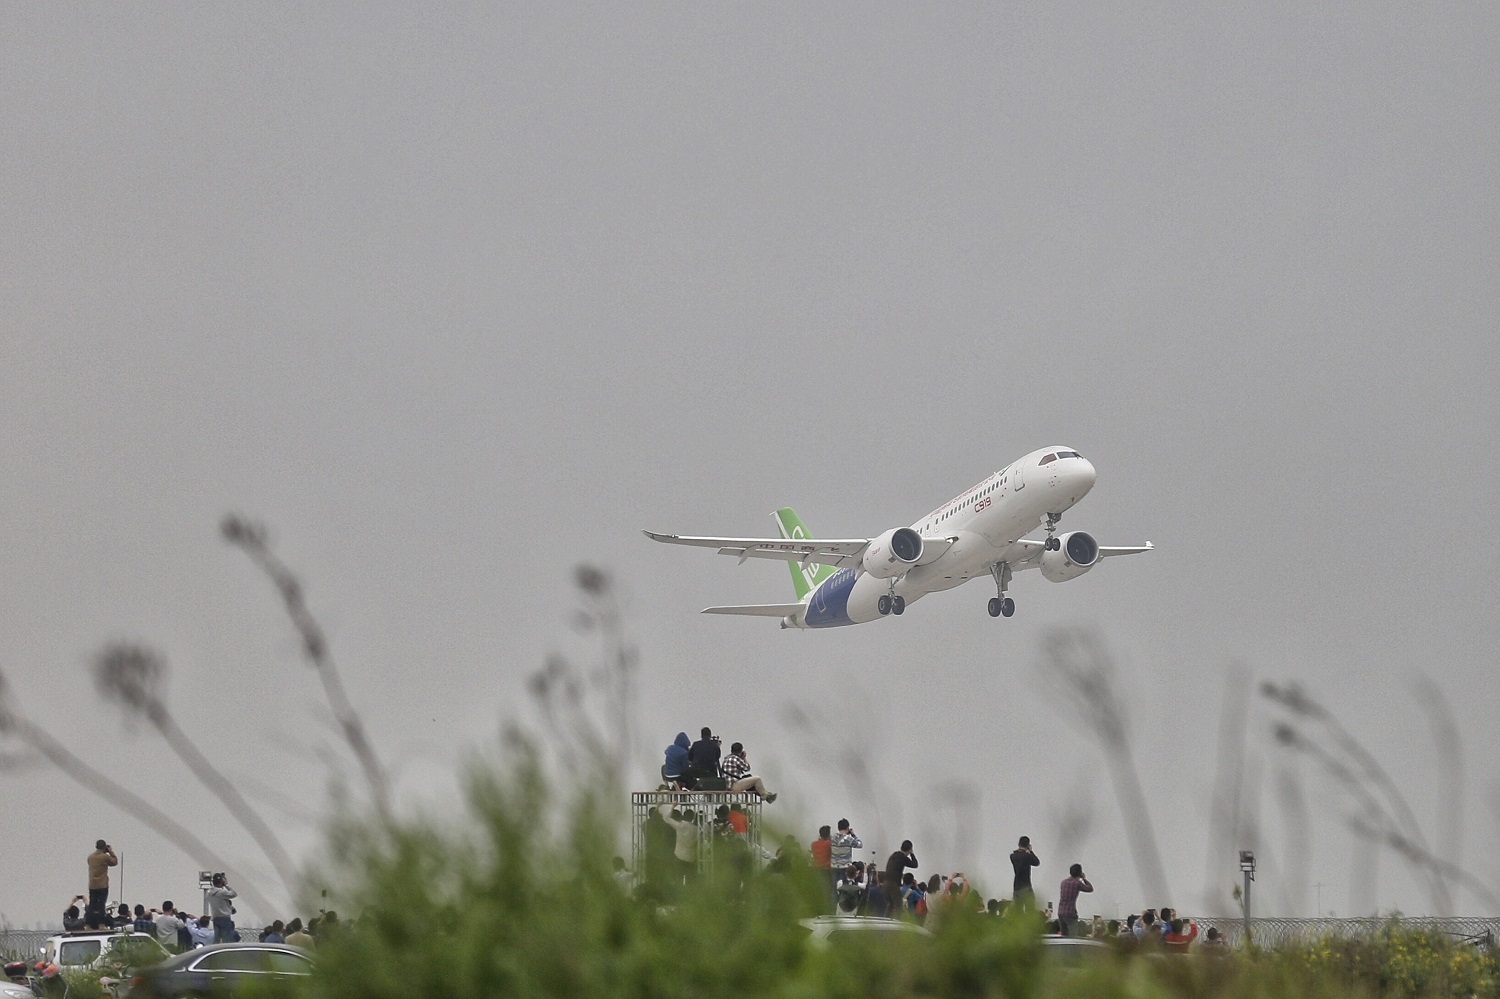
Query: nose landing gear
column 1051, row 544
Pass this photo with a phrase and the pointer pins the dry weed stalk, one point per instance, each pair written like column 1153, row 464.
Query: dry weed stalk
column 852, row 756
column 1382, row 814
column 1232, row 823
column 15, row 725
column 251, row 538
column 1075, row 662
column 588, row 740
column 134, row 678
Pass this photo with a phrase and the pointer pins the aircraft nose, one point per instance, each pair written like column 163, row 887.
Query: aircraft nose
column 1080, row 477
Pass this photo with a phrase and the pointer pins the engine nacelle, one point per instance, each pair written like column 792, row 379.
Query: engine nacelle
column 1077, row 553
column 891, row 554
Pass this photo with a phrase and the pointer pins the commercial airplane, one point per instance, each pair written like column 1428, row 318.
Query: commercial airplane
column 980, row 532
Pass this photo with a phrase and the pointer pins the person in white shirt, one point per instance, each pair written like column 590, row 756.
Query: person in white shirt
column 168, row 923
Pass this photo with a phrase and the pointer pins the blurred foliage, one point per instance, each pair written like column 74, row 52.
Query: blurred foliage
column 1402, row 963
column 516, row 897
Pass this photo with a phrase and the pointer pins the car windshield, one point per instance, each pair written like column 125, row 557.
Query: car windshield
column 76, row 952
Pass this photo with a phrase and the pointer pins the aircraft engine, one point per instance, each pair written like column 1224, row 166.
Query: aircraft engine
column 891, row 554
column 1077, row 553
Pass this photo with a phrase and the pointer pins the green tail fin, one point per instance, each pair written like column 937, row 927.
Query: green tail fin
column 805, row 578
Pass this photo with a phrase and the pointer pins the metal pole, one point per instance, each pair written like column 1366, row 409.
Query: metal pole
column 1247, row 867
column 1249, row 877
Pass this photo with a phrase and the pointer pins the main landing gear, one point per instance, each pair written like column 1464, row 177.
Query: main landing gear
column 890, row 603
column 1001, row 605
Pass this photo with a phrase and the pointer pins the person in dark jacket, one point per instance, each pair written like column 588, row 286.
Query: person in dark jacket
column 895, row 867
column 703, row 759
column 676, row 766
column 1022, row 860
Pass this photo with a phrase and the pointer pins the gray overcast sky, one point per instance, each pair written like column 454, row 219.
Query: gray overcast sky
column 457, row 297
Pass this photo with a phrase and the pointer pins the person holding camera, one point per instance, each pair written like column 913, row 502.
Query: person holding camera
column 221, row 909
column 703, row 760
column 100, row 861
column 1022, row 859
column 72, row 918
column 736, row 771
column 1067, row 899
column 841, row 857
column 170, row 926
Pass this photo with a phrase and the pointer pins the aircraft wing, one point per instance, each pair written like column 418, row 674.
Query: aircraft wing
column 1105, row 552
column 1027, row 554
column 843, row 552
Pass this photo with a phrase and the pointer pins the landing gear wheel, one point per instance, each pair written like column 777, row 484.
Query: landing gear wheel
column 883, row 605
column 1052, row 545
column 898, row 606
column 995, row 607
column 1007, row 608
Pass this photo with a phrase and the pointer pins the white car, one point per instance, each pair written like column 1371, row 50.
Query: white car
column 1075, row 950
column 102, row 948
column 826, row 928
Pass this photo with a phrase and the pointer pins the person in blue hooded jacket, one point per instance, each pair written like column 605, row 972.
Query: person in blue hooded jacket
column 675, row 769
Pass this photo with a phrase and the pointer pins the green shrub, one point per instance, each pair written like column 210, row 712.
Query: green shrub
column 515, row 897
column 1402, row 963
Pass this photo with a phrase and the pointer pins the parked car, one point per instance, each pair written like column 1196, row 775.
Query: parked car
column 220, row 969
column 10, row 990
column 1079, row 951
column 826, row 928
column 99, row 949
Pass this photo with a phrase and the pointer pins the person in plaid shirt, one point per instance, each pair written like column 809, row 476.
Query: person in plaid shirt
column 1067, row 899
column 735, row 769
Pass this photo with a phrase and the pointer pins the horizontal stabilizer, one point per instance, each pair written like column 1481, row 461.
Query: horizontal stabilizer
column 756, row 610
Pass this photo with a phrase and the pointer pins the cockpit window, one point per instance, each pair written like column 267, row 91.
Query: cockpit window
column 1049, row 459
column 1069, row 454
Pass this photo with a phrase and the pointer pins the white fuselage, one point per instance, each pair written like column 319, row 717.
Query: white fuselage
column 985, row 521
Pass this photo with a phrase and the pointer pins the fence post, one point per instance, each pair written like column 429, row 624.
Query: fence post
column 1247, row 867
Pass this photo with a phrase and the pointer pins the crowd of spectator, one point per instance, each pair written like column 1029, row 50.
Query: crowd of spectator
column 674, row 835
column 176, row 929
column 701, row 766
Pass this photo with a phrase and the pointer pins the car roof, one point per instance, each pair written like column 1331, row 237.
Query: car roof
column 188, row 956
column 1054, row 941
column 847, row 922
column 91, row 934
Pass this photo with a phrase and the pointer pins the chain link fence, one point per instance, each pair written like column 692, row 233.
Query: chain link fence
column 1278, row 932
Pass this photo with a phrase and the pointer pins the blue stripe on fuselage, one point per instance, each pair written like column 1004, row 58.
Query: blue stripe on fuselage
column 829, row 606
